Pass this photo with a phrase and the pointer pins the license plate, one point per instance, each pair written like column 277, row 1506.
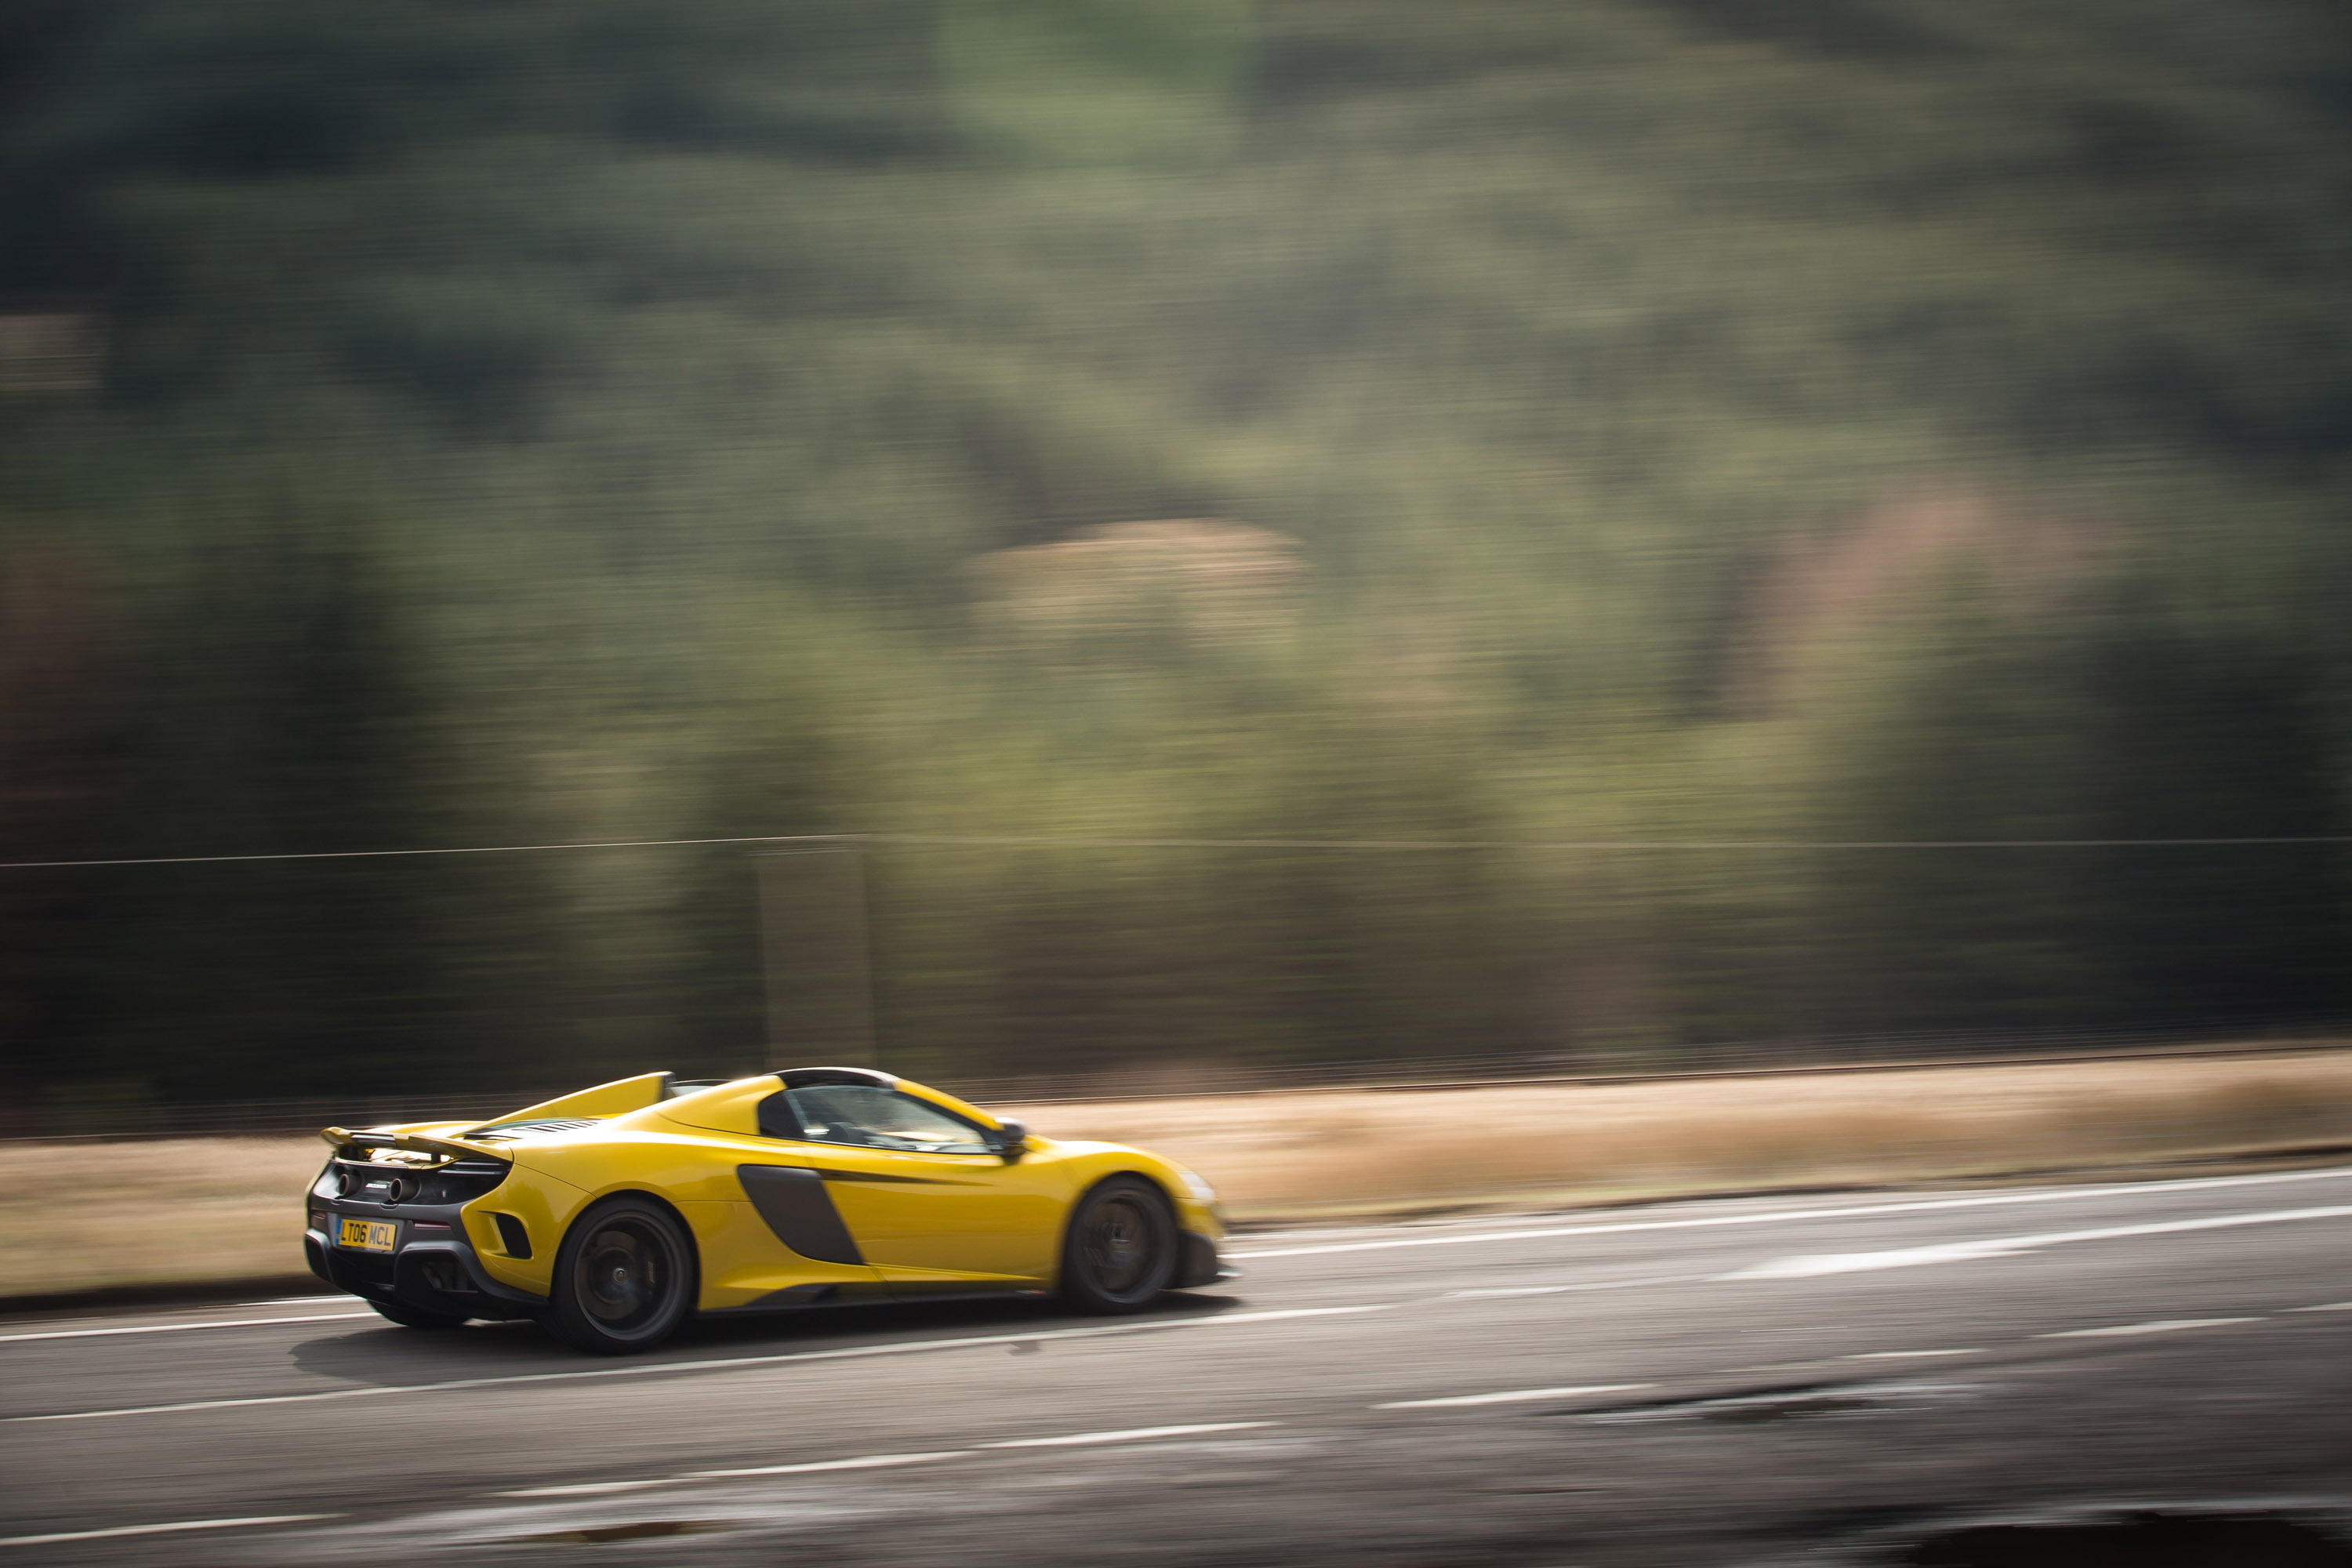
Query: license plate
column 370, row 1235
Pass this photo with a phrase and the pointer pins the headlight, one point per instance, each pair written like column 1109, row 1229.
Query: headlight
column 1200, row 1190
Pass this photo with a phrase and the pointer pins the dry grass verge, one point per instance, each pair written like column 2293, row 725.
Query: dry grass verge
column 1281, row 1155
column 84, row 1216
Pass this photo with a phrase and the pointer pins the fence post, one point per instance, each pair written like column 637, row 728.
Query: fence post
column 816, row 954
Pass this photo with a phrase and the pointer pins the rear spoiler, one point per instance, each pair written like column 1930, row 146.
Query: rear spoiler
column 615, row 1099
column 343, row 1138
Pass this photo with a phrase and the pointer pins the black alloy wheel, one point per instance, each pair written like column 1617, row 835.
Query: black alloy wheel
column 409, row 1317
column 625, row 1279
column 1121, row 1250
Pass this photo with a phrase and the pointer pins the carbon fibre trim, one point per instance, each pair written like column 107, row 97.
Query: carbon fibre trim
column 1198, row 1263
column 512, row 1235
column 831, row 1174
column 798, row 1078
column 793, row 1200
column 794, row 1296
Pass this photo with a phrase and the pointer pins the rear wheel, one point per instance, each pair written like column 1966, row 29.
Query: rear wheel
column 625, row 1279
column 409, row 1317
column 1121, row 1253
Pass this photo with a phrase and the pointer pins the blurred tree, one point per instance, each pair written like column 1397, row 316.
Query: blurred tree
column 1660, row 419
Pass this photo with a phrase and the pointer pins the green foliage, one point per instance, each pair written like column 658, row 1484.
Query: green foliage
column 1862, row 419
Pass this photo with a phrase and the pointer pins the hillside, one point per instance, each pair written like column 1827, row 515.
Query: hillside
column 607, row 420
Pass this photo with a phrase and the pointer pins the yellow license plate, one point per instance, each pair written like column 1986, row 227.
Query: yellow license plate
column 369, row 1235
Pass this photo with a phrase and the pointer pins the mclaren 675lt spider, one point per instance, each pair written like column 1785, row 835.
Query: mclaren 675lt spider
column 614, row 1215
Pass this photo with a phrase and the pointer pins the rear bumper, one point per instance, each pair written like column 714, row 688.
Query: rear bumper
column 437, row 1275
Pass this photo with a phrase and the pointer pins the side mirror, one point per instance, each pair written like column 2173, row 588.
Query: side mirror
column 1011, row 1136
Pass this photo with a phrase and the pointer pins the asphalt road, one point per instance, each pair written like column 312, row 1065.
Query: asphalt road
column 1821, row 1380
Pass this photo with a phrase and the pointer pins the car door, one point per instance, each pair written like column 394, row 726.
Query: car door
column 930, row 1202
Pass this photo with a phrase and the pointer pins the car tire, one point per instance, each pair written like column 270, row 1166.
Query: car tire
column 1121, row 1251
column 409, row 1317
column 625, row 1279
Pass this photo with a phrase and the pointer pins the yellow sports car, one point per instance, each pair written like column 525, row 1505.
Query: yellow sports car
column 613, row 1215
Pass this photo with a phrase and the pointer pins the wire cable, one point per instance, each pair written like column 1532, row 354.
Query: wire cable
column 823, row 841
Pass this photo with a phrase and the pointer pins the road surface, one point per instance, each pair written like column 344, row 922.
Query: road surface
column 1828, row 1379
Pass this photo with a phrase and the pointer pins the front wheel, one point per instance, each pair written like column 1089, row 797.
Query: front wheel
column 1121, row 1253
column 409, row 1317
column 625, row 1279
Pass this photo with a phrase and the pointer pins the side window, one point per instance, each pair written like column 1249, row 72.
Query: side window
column 776, row 1119
column 876, row 1118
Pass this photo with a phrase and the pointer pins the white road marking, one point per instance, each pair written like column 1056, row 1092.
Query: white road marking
column 180, row 1328
column 162, row 1529
column 1811, row 1265
column 1783, row 1216
column 726, row 1363
column 865, row 1462
column 1638, row 1282
column 1907, row 1355
column 1132, row 1435
column 1285, row 1313
column 594, row 1489
column 884, row 1461
column 870, row 1462
column 1513, row 1397
column 2165, row 1326
column 2330, row 1307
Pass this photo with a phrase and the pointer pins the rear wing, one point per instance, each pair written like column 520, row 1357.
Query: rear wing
column 615, row 1099
column 347, row 1142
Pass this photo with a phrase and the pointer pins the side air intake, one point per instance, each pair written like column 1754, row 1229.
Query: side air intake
column 512, row 1236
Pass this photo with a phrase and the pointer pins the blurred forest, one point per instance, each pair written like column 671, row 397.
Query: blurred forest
column 464, row 423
